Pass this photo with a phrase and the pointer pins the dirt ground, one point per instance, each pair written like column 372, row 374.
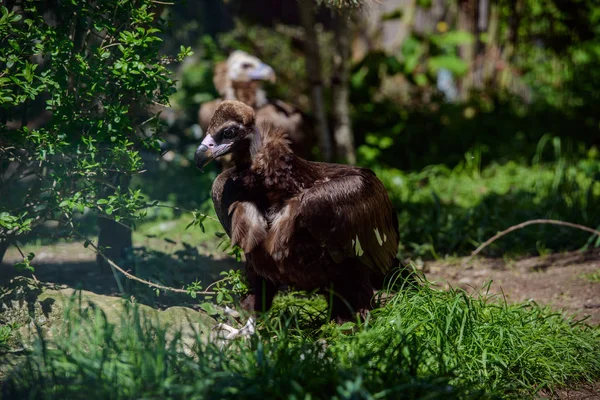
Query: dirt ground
column 561, row 281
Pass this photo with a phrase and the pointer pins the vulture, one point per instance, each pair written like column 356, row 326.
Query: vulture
column 241, row 78
column 308, row 225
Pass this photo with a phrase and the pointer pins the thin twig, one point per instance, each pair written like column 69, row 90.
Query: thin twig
column 19, row 249
column 217, row 282
column 523, row 225
column 111, row 45
column 148, row 205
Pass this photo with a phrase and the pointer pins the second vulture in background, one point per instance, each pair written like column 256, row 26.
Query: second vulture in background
column 309, row 225
column 241, row 78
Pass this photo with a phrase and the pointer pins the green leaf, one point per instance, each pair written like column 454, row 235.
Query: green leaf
column 421, row 80
column 209, row 308
column 395, row 14
column 347, row 326
column 452, row 63
column 453, row 38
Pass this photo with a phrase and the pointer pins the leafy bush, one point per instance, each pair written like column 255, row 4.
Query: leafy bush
column 91, row 70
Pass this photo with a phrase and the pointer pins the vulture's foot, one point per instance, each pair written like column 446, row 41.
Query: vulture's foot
column 227, row 332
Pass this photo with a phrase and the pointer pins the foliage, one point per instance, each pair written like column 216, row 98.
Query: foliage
column 6, row 333
column 451, row 211
column 539, row 66
column 93, row 69
column 422, row 342
column 593, row 276
column 541, row 81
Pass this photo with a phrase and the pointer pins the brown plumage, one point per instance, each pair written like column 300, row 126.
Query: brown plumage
column 309, row 225
column 240, row 78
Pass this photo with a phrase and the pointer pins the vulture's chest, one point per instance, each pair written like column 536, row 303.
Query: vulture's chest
column 289, row 255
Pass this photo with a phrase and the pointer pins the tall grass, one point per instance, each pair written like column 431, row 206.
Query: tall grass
column 423, row 343
column 451, row 211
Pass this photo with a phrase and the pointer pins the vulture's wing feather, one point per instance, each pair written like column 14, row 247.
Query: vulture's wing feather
column 351, row 215
column 224, row 194
column 239, row 216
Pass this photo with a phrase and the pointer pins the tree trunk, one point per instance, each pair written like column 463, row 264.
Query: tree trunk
column 493, row 52
column 315, row 76
column 514, row 22
column 344, row 140
column 466, row 21
column 4, row 245
column 114, row 238
column 482, row 15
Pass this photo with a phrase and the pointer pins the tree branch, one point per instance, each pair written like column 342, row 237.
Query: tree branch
column 523, row 225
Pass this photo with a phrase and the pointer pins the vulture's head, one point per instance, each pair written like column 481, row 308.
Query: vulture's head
column 231, row 127
column 242, row 67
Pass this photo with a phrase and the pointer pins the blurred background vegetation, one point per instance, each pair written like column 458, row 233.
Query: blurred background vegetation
column 476, row 114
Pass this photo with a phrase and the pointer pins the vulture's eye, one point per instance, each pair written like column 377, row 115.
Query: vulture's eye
column 229, row 133
column 246, row 65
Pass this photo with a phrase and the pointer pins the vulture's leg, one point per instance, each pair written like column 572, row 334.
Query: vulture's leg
column 349, row 295
column 262, row 293
column 259, row 299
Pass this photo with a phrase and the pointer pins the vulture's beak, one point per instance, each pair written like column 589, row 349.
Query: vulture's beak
column 262, row 72
column 208, row 151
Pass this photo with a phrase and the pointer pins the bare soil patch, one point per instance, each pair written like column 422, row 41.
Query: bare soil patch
column 561, row 281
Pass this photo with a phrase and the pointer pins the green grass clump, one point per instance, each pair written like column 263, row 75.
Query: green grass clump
column 483, row 342
column 593, row 276
column 424, row 343
column 6, row 332
column 451, row 211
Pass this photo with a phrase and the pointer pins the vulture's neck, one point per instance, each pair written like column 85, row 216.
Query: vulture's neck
column 249, row 93
column 267, row 160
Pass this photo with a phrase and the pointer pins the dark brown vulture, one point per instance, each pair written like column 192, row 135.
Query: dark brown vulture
column 240, row 78
column 309, row 225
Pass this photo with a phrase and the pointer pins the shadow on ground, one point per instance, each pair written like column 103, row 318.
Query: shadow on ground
column 70, row 267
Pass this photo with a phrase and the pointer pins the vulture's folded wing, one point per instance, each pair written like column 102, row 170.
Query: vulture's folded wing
column 224, row 194
column 239, row 216
column 351, row 215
